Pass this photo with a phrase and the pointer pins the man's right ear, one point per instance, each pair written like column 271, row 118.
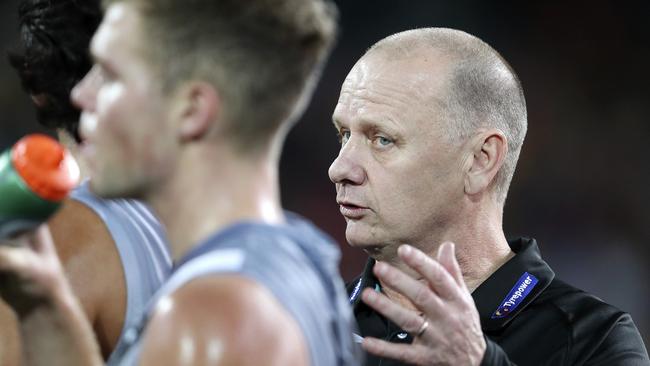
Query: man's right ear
column 199, row 108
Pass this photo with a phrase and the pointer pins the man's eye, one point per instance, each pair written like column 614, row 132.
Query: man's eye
column 104, row 75
column 344, row 136
column 383, row 141
column 107, row 75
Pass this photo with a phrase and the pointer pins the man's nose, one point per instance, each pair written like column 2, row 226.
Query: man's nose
column 347, row 167
column 84, row 93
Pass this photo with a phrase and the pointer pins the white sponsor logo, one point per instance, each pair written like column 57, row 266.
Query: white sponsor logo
column 518, row 293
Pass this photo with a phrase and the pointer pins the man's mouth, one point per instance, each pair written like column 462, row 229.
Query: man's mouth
column 352, row 211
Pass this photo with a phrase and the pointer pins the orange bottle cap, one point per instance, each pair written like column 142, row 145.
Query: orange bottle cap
column 46, row 166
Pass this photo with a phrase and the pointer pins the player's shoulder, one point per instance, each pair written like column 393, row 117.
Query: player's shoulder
column 216, row 292
column 236, row 312
column 76, row 228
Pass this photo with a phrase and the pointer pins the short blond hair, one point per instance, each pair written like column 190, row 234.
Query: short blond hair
column 263, row 56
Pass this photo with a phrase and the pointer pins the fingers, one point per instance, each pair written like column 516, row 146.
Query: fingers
column 398, row 351
column 406, row 319
column 417, row 292
column 447, row 258
column 438, row 277
column 22, row 255
column 42, row 241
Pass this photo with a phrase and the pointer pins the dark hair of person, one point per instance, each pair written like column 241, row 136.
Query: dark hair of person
column 53, row 55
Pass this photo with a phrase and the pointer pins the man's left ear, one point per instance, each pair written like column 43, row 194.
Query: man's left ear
column 489, row 151
column 198, row 108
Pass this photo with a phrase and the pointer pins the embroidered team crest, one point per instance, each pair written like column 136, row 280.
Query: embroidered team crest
column 517, row 294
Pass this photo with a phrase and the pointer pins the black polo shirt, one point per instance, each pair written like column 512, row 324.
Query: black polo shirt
column 528, row 317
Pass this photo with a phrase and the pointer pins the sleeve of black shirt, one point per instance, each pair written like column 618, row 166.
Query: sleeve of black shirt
column 494, row 355
column 622, row 346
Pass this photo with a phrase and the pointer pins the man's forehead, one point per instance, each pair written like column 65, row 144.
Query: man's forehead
column 115, row 12
column 402, row 90
column 406, row 81
column 119, row 18
column 419, row 72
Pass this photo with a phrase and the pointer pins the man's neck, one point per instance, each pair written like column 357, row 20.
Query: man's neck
column 481, row 249
column 203, row 199
column 479, row 263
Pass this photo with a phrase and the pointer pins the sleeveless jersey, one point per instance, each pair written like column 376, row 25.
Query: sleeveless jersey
column 297, row 263
column 143, row 249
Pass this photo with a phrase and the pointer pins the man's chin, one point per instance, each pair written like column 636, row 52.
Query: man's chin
column 109, row 191
column 378, row 248
column 367, row 245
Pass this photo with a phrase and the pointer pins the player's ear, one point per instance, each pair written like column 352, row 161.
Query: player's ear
column 488, row 152
column 197, row 110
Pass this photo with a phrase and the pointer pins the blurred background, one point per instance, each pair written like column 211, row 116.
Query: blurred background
column 582, row 183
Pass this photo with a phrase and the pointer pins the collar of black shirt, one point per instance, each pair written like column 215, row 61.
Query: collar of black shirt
column 500, row 298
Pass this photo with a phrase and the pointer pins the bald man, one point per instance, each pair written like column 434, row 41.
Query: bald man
column 431, row 123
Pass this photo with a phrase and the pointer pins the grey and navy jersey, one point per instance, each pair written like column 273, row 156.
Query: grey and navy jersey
column 297, row 263
column 143, row 249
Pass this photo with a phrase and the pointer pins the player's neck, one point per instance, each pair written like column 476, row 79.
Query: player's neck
column 203, row 198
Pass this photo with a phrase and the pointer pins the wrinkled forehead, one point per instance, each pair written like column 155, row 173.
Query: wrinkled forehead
column 402, row 85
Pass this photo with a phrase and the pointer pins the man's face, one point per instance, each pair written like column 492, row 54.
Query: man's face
column 398, row 178
column 128, row 138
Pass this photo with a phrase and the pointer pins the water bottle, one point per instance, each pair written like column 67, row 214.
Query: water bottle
column 36, row 175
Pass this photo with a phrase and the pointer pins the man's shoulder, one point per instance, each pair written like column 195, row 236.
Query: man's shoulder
column 595, row 329
column 237, row 312
column 301, row 277
column 573, row 302
column 582, row 313
column 228, row 291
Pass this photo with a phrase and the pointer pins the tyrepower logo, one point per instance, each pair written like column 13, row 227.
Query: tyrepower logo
column 517, row 294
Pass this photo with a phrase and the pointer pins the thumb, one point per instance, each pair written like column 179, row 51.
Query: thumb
column 14, row 259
